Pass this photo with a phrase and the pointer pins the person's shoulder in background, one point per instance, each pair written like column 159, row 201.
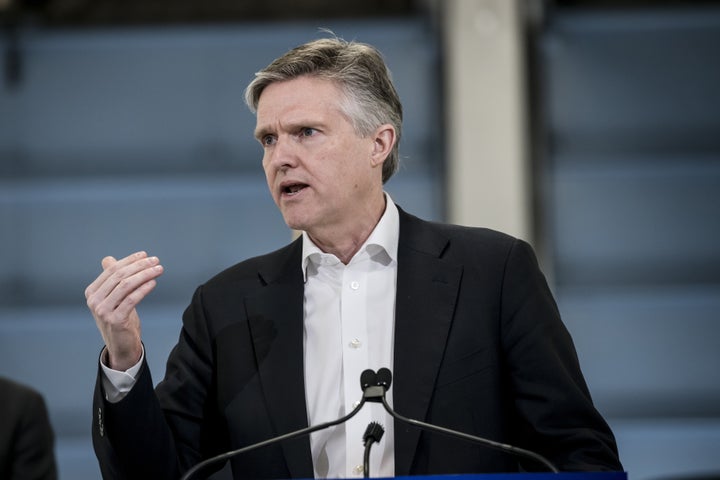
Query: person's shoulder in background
column 26, row 437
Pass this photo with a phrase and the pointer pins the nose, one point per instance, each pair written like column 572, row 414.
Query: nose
column 282, row 155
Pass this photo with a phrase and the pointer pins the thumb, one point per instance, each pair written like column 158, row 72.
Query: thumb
column 108, row 262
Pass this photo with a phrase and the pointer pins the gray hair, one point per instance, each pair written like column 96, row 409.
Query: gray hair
column 358, row 69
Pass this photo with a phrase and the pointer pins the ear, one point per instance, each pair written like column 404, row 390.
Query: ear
column 383, row 142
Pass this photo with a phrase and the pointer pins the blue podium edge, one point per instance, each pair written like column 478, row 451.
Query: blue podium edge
column 518, row 476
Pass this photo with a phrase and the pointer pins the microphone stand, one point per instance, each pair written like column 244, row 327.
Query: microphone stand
column 288, row 436
column 377, row 394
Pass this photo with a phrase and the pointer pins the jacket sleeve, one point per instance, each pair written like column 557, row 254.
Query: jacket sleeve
column 158, row 433
column 556, row 415
column 131, row 438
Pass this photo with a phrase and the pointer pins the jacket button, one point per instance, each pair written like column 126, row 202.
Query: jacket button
column 101, row 424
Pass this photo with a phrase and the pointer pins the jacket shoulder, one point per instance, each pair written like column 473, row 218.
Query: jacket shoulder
column 259, row 270
column 451, row 239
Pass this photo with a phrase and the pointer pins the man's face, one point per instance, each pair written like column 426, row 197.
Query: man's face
column 323, row 176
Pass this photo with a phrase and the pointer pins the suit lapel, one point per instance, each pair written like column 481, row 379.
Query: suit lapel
column 275, row 316
column 427, row 288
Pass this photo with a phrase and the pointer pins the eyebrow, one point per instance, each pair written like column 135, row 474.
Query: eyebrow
column 259, row 133
column 292, row 125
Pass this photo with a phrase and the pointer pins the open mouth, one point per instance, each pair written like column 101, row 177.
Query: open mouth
column 293, row 189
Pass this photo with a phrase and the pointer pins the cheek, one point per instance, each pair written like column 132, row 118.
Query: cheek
column 266, row 166
column 270, row 179
column 265, row 163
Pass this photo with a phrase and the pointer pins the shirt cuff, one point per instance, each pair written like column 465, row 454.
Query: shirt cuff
column 117, row 383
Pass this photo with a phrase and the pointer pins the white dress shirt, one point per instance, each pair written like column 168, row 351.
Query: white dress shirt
column 349, row 324
column 349, row 315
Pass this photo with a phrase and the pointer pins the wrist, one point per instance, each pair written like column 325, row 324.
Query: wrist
column 121, row 362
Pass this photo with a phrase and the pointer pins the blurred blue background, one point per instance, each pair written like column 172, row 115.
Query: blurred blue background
column 128, row 134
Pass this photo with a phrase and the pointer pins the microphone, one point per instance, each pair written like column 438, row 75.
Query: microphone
column 367, row 381
column 373, row 434
column 384, row 379
column 368, row 378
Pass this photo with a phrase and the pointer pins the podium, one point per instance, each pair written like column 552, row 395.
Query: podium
column 518, row 476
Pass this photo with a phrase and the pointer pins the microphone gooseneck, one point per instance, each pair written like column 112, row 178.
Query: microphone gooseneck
column 288, row 436
column 373, row 434
column 384, row 379
column 368, row 383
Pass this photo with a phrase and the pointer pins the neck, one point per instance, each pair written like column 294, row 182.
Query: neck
column 344, row 243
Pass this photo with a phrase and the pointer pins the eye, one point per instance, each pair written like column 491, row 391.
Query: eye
column 307, row 132
column 268, row 140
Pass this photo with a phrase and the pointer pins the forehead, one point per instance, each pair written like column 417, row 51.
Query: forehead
column 303, row 91
column 300, row 102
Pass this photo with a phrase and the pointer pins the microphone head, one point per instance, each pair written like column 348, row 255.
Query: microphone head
column 368, row 378
column 374, row 432
column 384, row 378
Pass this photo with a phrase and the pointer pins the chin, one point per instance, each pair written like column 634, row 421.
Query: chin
column 294, row 224
column 302, row 221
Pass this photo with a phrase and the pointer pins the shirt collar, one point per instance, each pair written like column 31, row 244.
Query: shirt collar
column 382, row 242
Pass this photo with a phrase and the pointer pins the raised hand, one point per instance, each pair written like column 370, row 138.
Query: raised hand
column 112, row 299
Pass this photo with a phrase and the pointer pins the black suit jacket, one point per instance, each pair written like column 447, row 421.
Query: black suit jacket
column 479, row 347
column 26, row 436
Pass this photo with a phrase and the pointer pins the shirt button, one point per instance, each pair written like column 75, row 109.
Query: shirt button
column 358, row 469
column 354, row 285
column 355, row 343
column 355, row 404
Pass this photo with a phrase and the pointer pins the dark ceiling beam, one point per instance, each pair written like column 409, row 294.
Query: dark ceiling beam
column 138, row 12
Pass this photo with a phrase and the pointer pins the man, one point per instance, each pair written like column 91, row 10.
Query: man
column 462, row 316
column 26, row 436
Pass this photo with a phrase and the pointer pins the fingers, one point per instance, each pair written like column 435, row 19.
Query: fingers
column 106, row 263
column 118, row 271
column 122, row 285
column 130, row 296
